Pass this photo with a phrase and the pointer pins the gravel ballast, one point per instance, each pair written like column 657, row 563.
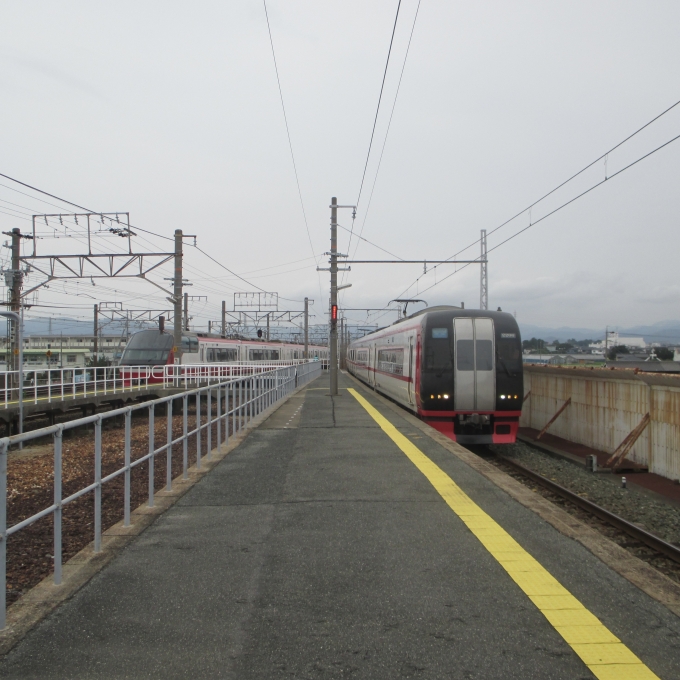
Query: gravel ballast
column 639, row 506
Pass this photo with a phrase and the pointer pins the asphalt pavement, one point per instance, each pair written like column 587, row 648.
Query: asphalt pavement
column 317, row 549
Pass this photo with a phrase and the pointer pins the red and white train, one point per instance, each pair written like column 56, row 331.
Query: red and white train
column 459, row 370
column 156, row 348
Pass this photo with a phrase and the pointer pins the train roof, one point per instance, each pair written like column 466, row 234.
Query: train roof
column 427, row 310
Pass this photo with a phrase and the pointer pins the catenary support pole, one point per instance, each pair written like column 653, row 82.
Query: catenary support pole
column 177, row 296
column 306, row 354
column 224, row 319
column 96, row 332
column 483, row 278
column 15, row 298
column 334, row 296
column 18, row 334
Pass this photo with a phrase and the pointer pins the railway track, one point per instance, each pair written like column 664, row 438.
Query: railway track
column 650, row 540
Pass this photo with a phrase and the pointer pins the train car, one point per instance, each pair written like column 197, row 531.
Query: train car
column 155, row 348
column 459, row 370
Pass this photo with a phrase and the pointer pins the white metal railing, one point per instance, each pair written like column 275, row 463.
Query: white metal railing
column 43, row 386
column 237, row 402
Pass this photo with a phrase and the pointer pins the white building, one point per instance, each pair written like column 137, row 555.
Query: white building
column 57, row 351
column 614, row 339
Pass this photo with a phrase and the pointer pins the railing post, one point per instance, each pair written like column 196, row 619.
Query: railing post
column 152, row 445
column 209, row 437
column 3, row 531
column 168, row 451
column 240, row 403
column 185, row 449
column 57, row 502
column 98, row 482
column 219, row 419
column 198, row 430
column 226, row 411
column 128, row 433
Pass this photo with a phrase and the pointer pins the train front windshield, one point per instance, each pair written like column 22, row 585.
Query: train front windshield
column 147, row 348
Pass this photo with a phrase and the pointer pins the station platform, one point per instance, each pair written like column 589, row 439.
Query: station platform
column 340, row 540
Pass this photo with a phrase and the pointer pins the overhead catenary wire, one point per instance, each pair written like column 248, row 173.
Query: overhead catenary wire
column 76, row 205
column 217, row 262
column 375, row 119
column 565, row 182
column 552, row 212
column 389, row 125
column 290, row 142
column 96, row 213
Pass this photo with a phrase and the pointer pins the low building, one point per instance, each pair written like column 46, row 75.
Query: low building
column 57, row 351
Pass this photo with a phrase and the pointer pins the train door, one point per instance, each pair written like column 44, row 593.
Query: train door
column 475, row 375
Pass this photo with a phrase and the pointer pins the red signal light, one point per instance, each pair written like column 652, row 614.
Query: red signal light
column 334, row 312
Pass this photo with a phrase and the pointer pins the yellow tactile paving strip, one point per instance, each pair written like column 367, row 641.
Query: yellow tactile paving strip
column 604, row 654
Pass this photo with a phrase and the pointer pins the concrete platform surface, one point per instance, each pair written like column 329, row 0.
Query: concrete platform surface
column 318, row 550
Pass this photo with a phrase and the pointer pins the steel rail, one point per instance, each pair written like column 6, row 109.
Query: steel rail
column 651, row 540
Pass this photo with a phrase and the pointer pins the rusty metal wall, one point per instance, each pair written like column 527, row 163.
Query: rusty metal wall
column 605, row 406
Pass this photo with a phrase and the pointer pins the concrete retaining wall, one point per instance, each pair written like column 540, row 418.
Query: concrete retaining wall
column 605, row 406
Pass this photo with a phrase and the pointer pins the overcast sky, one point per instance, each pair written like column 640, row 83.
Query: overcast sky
column 171, row 111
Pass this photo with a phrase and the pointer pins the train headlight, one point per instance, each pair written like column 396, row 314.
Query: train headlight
column 502, row 396
column 446, row 396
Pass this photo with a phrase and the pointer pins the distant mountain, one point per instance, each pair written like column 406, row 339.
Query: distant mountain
column 64, row 325
column 665, row 332
column 563, row 333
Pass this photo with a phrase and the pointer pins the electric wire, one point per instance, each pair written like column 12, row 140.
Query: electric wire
column 574, row 176
column 375, row 245
column 75, row 205
column 375, row 120
column 290, row 142
column 389, row 125
column 552, row 212
column 237, row 276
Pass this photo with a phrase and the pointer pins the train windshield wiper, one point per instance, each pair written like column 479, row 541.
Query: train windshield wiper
column 506, row 369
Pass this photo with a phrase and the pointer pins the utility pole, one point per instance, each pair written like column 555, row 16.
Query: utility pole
column 15, row 297
column 334, row 296
column 177, row 296
column 333, row 340
column 267, row 326
column 186, row 311
column 606, row 342
column 96, row 332
column 483, row 280
column 306, row 354
column 224, row 319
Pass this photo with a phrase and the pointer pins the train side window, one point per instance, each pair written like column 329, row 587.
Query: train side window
column 190, row 345
column 222, row 355
column 465, row 355
column 484, row 359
